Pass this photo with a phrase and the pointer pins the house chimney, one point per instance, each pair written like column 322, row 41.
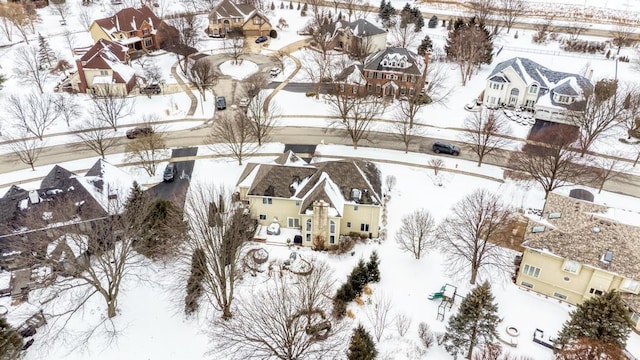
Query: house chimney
column 426, row 61
column 320, row 221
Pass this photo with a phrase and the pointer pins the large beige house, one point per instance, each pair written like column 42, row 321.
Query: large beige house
column 553, row 95
column 228, row 16
column 359, row 38
column 323, row 200
column 576, row 251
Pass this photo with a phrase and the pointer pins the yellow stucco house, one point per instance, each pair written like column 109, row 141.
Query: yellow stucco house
column 323, row 200
column 228, row 16
column 576, row 251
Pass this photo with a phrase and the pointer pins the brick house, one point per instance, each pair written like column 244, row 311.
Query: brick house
column 392, row 72
column 106, row 63
column 228, row 16
column 137, row 29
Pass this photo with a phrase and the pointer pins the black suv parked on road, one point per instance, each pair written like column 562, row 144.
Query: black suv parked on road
column 445, row 148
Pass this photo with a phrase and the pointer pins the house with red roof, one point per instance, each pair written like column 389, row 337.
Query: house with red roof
column 137, row 29
column 105, row 64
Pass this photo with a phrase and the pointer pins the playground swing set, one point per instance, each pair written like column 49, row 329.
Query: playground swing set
column 448, row 295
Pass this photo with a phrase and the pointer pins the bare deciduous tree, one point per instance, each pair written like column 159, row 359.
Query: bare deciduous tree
column 29, row 68
column 609, row 167
column 262, row 116
column 110, row 105
column 94, row 136
column 483, row 9
column 604, row 109
column 19, row 17
column 416, row 231
column 68, row 107
column 390, row 182
column 280, row 322
column 254, row 83
column 85, row 16
column 182, row 37
column 403, row 128
column 234, row 45
column 203, row 76
column 403, row 323
column 232, row 135
column 437, row 165
column 510, row 11
column 437, row 90
column 403, row 36
column 622, row 36
column 278, row 58
column 26, row 148
column 153, row 73
column 317, row 68
column 484, row 133
column 147, row 150
column 61, row 8
column 378, row 315
column 551, row 163
column 33, row 113
column 354, row 114
column 468, row 236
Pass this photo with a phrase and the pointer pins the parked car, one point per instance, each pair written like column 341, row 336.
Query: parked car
column 170, row 172
column 275, row 72
column 151, row 89
column 244, row 102
column 221, row 103
column 261, row 39
column 139, row 131
column 445, row 148
column 217, row 36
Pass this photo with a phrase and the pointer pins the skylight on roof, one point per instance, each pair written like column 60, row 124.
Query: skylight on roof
column 537, row 229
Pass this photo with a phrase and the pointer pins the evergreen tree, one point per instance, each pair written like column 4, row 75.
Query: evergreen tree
column 433, row 22
column 406, row 16
column 46, row 56
column 298, row 6
column 291, row 5
column 305, row 9
column 373, row 272
column 425, row 46
column 10, row 341
column 359, row 277
column 418, row 23
column 282, row 5
column 474, row 324
column 361, row 346
column 387, row 13
column 602, row 318
column 163, row 230
column 136, row 201
column 273, row 6
column 194, row 284
column 383, row 4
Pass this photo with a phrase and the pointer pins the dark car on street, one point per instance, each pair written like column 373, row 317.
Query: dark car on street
column 151, row 89
column 261, row 39
column 445, row 148
column 170, row 172
column 221, row 103
column 139, row 131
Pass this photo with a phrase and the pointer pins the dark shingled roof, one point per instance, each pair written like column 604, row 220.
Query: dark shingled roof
column 344, row 74
column 57, row 178
column 363, row 27
column 374, row 61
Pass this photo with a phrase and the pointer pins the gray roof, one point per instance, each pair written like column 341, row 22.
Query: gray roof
column 416, row 63
column 549, row 80
column 363, row 27
column 303, row 182
column 227, row 9
column 346, row 73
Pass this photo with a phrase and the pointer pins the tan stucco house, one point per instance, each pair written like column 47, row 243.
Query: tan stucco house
column 137, row 29
column 228, row 16
column 552, row 95
column 104, row 65
column 576, row 251
column 323, row 200
column 359, row 38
